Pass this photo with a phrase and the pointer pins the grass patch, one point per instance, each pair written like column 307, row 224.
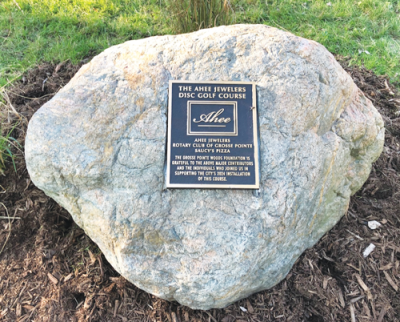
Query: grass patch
column 6, row 144
column 57, row 30
column 367, row 31
column 192, row 15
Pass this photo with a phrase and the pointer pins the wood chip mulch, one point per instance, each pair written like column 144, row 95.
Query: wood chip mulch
column 51, row 271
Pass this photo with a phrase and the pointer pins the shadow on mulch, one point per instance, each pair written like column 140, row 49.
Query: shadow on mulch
column 51, row 271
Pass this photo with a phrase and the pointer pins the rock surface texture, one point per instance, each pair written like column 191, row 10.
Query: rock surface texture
column 98, row 148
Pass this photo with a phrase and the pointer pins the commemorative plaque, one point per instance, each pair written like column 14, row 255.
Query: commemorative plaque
column 212, row 135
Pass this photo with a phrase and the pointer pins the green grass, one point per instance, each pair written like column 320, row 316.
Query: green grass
column 6, row 143
column 57, row 30
column 367, row 31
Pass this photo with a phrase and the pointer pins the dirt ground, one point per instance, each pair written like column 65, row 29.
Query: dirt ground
column 51, row 271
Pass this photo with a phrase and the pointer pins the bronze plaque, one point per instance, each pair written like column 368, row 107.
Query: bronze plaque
column 212, row 135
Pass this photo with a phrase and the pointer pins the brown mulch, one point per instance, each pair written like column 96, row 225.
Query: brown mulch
column 51, row 271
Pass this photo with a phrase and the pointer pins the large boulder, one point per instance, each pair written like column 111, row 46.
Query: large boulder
column 98, row 149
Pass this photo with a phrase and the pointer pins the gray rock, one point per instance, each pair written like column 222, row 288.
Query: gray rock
column 98, row 149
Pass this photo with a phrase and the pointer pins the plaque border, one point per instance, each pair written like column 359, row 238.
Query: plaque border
column 168, row 184
column 235, row 121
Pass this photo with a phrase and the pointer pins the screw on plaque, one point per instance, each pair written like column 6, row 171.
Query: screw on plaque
column 252, row 107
